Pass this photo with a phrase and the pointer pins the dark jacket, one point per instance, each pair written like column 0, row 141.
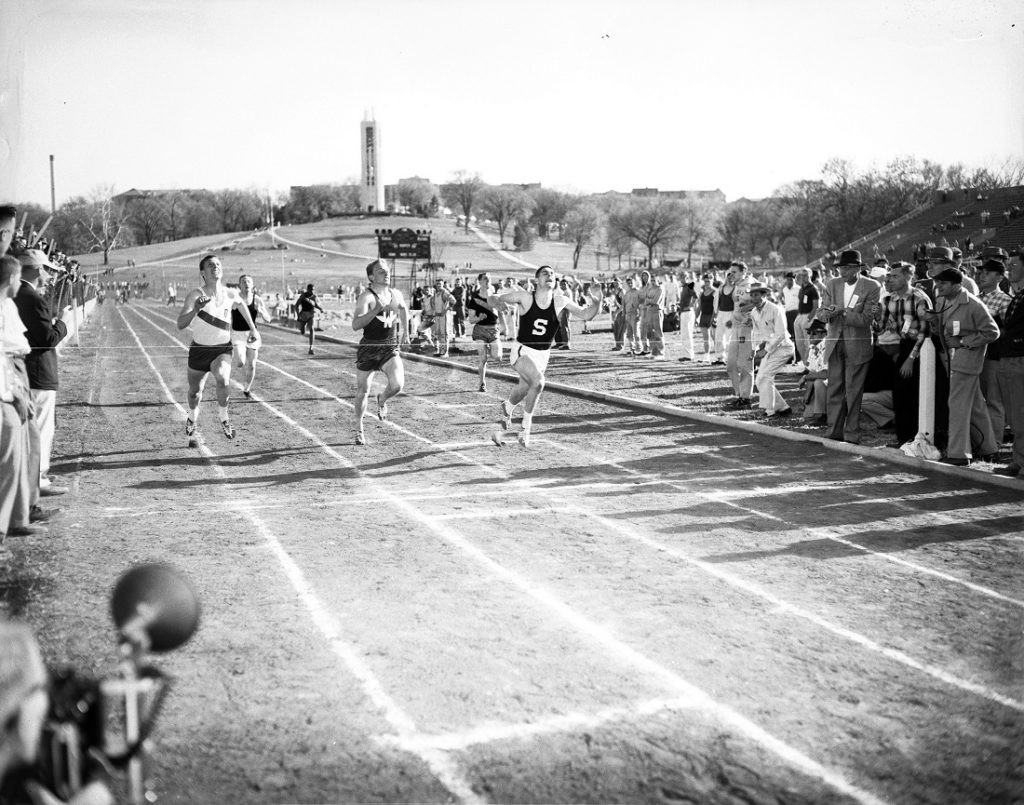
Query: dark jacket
column 1011, row 339
column 43, row 336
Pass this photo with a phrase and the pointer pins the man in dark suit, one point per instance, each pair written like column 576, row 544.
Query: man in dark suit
column 1010, row 373
column 44, row 332
column 849, row 306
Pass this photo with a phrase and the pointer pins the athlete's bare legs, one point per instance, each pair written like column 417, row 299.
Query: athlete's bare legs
column 363, row 380
column 220, row 369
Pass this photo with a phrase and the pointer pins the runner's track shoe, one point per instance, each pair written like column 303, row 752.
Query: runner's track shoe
column 360, row 438
column 524, row 438
column 227, row 430
column 190, row 427
column 506, row 414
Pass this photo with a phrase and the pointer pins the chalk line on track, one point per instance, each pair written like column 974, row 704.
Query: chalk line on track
column 724, row 497
column 443, row 768
column 779, row 605
column 625, row 653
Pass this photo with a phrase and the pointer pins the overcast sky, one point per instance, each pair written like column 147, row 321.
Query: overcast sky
column 582, row 95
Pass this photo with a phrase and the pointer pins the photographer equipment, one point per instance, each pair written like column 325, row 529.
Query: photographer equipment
column 107, row 722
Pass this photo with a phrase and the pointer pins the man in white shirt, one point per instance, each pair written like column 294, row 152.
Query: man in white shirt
column 790, row 295
column 17, row 487
column 773, row 349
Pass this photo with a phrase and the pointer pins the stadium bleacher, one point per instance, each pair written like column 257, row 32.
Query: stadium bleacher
column 953, row 207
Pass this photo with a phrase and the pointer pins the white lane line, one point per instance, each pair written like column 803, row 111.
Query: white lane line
column 781, row 607
column 784, row 607
column 442, row 766
column 623, row 652
column 921, row 519
column 897, row 501
column 492, row 732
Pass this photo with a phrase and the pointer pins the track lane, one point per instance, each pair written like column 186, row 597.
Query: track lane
column 453, row 465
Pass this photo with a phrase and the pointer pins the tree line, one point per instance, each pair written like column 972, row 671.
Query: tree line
column 797, row 223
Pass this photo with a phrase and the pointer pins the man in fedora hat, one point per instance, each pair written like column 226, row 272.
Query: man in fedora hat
column 44, row 332
column 965, row 329
column 773, row 349
column 991, row 274
column 848, row 307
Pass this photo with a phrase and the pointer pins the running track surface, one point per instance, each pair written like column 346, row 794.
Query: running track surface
column 636, row 608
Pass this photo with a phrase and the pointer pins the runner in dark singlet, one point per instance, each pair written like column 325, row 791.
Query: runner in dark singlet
column 246, row 350
column 382, row 315
column 538, row 325
column 486, row 335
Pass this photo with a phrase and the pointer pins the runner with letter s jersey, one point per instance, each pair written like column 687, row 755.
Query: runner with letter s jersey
column 529, row 356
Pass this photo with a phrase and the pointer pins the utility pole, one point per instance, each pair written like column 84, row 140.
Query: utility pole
column 53, row 191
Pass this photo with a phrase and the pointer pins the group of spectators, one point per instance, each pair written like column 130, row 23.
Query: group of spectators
column 35, row 291
column 855, row 329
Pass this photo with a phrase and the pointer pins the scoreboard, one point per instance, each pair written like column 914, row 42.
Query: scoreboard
column 404, row 243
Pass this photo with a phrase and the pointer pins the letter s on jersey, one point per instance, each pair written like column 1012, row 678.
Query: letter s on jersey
column 540, row 327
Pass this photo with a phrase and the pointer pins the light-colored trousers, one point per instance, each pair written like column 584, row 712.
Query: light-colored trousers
column 651, row 330
column 686, row 334
column 771, row 364
column 739, row 363
column 46, row 421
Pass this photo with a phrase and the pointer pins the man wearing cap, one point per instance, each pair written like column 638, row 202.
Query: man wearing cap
column 774, row 349
column 848, row 307
column 1010, row 371
column 965, row 329
column 739, row 361
column 44, row 333
column 902, row 331
column 991, row 273
column 816, row 397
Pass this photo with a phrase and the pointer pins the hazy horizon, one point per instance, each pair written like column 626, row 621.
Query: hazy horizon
column 579, row 96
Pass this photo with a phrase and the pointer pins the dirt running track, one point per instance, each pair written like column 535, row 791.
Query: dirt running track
column 637, row 608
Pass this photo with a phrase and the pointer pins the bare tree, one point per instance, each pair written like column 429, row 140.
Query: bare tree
column 549, row 207
column 582, row 225
column 462, row 192
column 418, row 195
column 700, row 218
column 505, row 204
column 804, row 199
column 105, row 222
column 651, row 222
column 149, row 218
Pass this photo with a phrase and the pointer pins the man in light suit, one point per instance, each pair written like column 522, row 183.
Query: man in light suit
column 849, row 306
column 966, row 328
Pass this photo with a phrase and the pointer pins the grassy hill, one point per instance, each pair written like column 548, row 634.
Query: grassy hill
column 329, row 253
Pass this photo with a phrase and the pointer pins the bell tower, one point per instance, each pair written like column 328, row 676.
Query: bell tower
column 371, row 186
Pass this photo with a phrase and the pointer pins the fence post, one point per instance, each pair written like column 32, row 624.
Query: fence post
column 926, row 394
